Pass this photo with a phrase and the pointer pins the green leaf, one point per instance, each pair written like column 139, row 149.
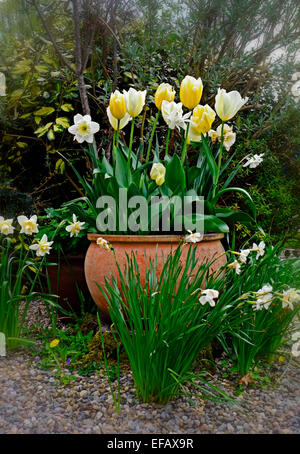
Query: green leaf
column 63, row 121
column 121, row 170
column 210, row 160
column 44, row 111
column 43, row 129
column 175, row 175
column 232, row 216
column 67, row 107
column 212, row 224
column 243, row 191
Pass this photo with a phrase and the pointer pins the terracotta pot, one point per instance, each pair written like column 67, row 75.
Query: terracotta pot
column 64, row 284
column 100, row 263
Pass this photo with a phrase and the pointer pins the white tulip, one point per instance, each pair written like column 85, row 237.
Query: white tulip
column 228, row 104
column 135, row 101
column 84, row 128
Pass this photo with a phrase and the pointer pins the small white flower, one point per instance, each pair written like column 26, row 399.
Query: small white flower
column 103, row 243
column 264, row 298
column 173, row 115
column 193, row 237
column 209, row 296
column 28, row 226
column 296, row 336
column 6, row 227
column 236, row 265
column 260, row 249
column 296, row 349
column 75, row 227
column 84, row 128
column 254, row 161
column 244, row 254
column 42, row 247
column 290, row 297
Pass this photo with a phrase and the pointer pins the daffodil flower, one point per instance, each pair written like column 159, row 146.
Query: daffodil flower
column 28, row 226
column 103, row 243
column 260, row 249
column 193, row 237
column 42, row 247
column 209, row 296
column 254, row 161
column 173, row 115
column 84, row 128
column 75, row 227
column 236, row 265
column 264, row 297
column 6, row 227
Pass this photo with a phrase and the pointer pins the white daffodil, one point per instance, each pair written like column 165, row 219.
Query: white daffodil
column 158, row 172
column 75, row 227
column 228, row 104
column 6, row 227
column 173, row 114
column 114, row 122
column 193, row 237
column 228, row 135
column 296, row 349
column 244, row 254
column 209, row 296
column 260, row 249
column 236, row 265
column 290, row 297
column 103, row 243
column 135, row 101
column 264, row 297
column 84, row 128
column 28, row 226
column 254, row 161
column 42, row 247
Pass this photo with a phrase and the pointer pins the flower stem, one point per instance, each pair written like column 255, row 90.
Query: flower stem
column 219, row 160
column 167, row 141
column 152, row 135
column 130, row 146
column 114, row 147
column 183, row 154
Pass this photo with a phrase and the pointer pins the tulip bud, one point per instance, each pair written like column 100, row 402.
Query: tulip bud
column 191, row 91
column 117, row 105
column 202, row 119
column 135, row 101
column 164, row 93
column 227, row 104
column 157, row 173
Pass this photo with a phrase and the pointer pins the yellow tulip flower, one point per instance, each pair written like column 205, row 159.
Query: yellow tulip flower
column 202, row 119
column 165, row 92
column 191, row 91
column 117, row 105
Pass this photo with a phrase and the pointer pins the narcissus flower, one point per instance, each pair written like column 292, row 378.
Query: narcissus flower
column 134, row 101
column 173, row 115
column 264, row 297
column 103, row 243
column 290, row 297
column 236, row 266
column 254, row 161
column 114, row 122
column 117, row 105
column 75, row 227
column 6, row 227
column 228, row 104
column 228, row 135
column 158, row 172
column 209, row 296
column 260, row 249
column 42, row 247
column 244, row 254
column 28, row 226
column 54, row 343
column 165, row 92
column 193, row 237
column 202, row 119
column 84, row 128
column 191, row 91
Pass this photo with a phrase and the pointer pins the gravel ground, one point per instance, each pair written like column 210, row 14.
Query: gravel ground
column 32, row 402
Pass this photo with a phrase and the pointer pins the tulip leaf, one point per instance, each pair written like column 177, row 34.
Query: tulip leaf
column 243, row 191
column 212, row 224
column 210, row 160
column 175, row 175
column 121, row 170
column 232, row 216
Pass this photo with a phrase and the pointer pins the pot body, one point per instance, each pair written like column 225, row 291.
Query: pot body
column 100, row 263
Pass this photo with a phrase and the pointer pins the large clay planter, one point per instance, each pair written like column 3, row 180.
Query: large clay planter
column 100, row 263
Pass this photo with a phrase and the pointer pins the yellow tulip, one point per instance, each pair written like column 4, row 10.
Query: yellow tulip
column 165, row 92
column 227, row 104
column 202, row 119
column 117, row 105
column 191, row 91
column 158, row 173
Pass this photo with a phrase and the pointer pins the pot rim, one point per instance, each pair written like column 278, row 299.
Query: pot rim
column 151, row 238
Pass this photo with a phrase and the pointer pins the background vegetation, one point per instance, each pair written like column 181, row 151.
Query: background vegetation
column 65, row 57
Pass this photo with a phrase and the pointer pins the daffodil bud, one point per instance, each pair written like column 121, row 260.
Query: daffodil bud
column 135, row 101
column 202, row 119
column 191, row 91
column 158, row 173
column 117, row 105
column 227, row 104
column 164, row 93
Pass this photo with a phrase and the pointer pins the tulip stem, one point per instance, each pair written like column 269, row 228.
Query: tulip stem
column 151, row 137
column 167, row 141
column 183, row 154
column 114, row 147
column 219, row 159
column 130, row 145
column 118, row 132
